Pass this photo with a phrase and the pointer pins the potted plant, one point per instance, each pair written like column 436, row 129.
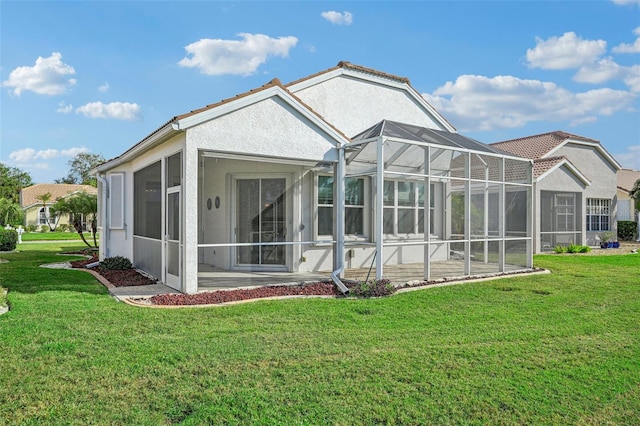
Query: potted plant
column 608, row 240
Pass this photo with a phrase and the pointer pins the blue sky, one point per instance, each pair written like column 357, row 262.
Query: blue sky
column 99, row 76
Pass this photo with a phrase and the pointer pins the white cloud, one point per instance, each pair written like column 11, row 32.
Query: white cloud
column 63, row 108
column 29, row 155
column 338, row 18
column 625, row 2
column 475, row 103
column 105, row 87
column 633, row 78
column 599, row 72
column 631, row 158
column 567, row 51
column 49, row 76
column 115, row 110
column 629, row 48
column 243, row 57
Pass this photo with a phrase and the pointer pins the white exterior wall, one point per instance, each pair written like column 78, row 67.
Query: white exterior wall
column 561, row 179
column 268, row 128
column 354, row 105
column 602, row 175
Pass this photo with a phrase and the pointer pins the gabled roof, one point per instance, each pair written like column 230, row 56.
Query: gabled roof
column 28, row 195
column 546, row 144
column 364, row 73
column 184, row 121
column 423, row 134
column 626, row 179
column 544, row 166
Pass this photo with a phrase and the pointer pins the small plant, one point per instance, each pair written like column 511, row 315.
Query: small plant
column 8, row 239
column 607, row 237
column 573, row 248
column 373, row 288
column 560, row 249
column 584, row 249
column 32, row 228
column 118, row 263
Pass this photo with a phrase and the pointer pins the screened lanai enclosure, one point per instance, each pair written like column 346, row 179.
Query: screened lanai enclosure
column 399, row 201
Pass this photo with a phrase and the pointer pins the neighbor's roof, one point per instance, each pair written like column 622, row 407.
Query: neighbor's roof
column 626, row 178
column 28, row 195
column 538, row 146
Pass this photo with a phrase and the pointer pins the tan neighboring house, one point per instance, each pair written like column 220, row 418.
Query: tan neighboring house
column 626, row 206
column 36, row 213
column 575, row 184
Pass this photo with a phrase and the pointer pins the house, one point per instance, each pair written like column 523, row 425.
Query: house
column 574, row 187
column 626, row 205
column 37, row 212
column 347, row 170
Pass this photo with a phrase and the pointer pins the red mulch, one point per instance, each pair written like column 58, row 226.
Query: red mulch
column 124, row 278
column 222, row 296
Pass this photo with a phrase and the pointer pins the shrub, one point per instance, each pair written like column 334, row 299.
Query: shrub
column 63, row 227
column 560, row 249
column 627, row 230
column 373, row 288
column 8, row 239
column 607, row 236
column 44, row 228
column 584, row 249
column 32, row 228
column 116, row 263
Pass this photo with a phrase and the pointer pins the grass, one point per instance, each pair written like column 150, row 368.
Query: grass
column 562, row 348
column 55, row 236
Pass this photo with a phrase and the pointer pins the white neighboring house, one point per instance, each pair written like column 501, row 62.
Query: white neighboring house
column 626, row 206
column 347, row 168
column 575, row 187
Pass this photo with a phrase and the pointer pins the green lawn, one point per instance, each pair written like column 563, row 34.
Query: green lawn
column 55, row 236
column 562, row 348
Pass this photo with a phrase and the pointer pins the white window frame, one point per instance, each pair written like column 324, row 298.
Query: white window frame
column 565, row 214
column 365, row 207
column 598, row 207
column 416, row 208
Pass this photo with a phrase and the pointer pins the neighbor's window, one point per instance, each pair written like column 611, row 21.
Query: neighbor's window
column 598, row 210
column 404, row 207
column 354, row 206
column 147, row 202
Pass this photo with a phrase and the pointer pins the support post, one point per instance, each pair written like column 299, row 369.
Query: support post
column 379, row 207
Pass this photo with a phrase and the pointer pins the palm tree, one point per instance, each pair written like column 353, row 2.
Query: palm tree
column 10, row 213
column 45, row 198
column 76, row 207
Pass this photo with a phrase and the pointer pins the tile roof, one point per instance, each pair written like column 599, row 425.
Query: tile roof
column 543, row 165
column 538, row 146
column 626, row 178
column 28, row 196
column 349, row 65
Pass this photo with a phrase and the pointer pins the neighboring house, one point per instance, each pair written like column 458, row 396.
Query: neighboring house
column 347, row 168
column 37, row 214
column 626, row 205
column 575, row 187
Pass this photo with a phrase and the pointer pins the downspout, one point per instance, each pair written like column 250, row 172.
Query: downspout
column 105, row 226
column 339, row 177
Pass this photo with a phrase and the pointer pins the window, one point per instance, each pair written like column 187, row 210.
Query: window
column 42, row 216
column 147, row 200
column 404, row 207
column 565, row 213
column 354, row 205
column 598, row 214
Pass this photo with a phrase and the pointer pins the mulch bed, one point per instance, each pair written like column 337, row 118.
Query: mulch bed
column 124, row 278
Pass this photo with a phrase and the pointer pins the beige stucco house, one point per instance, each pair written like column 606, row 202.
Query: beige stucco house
column 38, row 214
column 575, row 183
column 345, row 169
column 626, row 206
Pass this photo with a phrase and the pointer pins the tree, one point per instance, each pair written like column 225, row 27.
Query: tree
column 635, row 194
column 52, row 222
column 12, row 180
column 80, row 166
column 10, row 213
column 77, row 207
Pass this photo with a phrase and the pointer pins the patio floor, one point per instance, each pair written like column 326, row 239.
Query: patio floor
column 211, row 279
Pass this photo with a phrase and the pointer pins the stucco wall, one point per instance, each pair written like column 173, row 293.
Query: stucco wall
column 269, row 128
column 354, row 105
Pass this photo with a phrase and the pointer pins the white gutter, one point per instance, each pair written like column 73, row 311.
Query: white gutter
column 338, row 253
column 105, row 226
